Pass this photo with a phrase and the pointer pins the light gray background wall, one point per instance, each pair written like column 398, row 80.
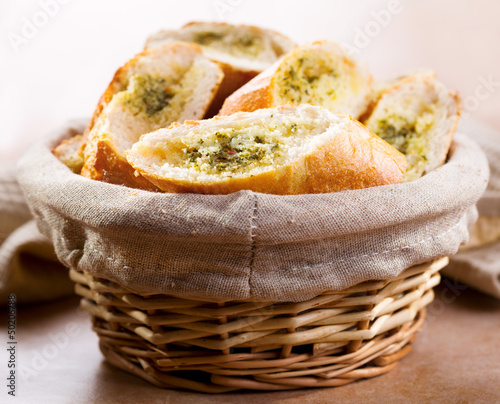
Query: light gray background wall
column 55, row 61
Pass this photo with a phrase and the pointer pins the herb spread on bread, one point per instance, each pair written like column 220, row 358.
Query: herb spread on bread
column 230, row 41
column 406, row 134
column 148, row 93
column 239, row 149
column 207, row 37
column 233, row 151
column 410, row 132
column 309, row 80
column 158, row 100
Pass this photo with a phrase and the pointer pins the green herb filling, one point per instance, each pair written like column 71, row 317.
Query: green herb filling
column 310, row 80
column 148, row 94
column 231, row 42
column 232, row 152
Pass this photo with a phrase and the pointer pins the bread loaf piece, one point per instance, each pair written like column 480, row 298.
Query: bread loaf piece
column 418, row 116
column 242, row 51
column 162, row 85
column 68, row 151
column 381, row 86
column 284, row 150
column 320, row 73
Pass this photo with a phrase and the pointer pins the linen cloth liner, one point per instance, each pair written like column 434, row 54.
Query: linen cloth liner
column 248, row 245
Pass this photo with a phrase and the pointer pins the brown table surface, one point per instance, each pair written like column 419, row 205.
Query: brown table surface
column 456, row 359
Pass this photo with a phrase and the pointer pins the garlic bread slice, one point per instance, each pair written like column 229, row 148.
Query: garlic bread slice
column 242, row 51
column 418, row 116
column 320, row 73
column 171, row 83
column 283, row 150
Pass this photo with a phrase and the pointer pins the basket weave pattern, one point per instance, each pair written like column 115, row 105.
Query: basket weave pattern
column 330, row 340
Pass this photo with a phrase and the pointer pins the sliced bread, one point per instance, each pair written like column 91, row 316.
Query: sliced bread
column 174, row 82
column 320, row 73
column 68, row 151
column 283, row 150
column 242, row 51
column 418, row 116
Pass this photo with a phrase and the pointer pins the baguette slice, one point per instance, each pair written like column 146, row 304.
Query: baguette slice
column 381, row 86
column 418, row 116
column 68, row 152
column 320, row 73
column 284, row 150
column 242, row 51
column 162, row 85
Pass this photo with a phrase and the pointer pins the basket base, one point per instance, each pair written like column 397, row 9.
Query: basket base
column 371, row 359
column 330, row 340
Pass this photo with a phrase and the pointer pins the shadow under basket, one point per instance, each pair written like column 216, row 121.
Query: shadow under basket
column 331, row 340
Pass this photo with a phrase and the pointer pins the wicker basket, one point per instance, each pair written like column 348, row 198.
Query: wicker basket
column 330, row 340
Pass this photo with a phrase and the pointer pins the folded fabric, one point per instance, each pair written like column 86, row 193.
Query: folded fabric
column 28, row 265
column 14, row 210
column 29, row 268
column 478, row 268
column 478, row 262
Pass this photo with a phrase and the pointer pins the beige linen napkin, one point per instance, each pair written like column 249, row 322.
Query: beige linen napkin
column 28, row 265
column 13, row 208
column 477, row 264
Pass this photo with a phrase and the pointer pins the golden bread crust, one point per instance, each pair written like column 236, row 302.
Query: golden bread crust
column 233, row 79
column 108, row 166
column 254, row 95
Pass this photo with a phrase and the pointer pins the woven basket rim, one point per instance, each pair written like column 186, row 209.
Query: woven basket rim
column 78, row 276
